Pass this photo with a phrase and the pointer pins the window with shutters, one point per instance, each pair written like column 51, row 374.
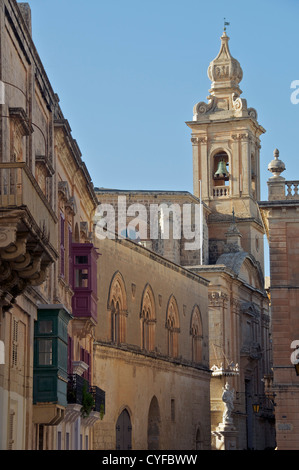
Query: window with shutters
column 70, row 255
column 15, row 330
column 85, row 357
column 62, row 245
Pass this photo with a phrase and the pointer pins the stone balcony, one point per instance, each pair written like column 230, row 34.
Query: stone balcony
column 28, row 234
column 292, row 191
column 221, row 191
column 282, row 190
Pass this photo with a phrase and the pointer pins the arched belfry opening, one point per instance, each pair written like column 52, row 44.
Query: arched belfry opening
column 221, row 172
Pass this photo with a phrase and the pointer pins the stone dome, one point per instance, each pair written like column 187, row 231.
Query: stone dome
column 225, row 71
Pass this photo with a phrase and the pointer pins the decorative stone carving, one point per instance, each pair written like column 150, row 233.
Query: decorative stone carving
column 217, row 299
column 231, row 370
column 71, row 205
column 252, row 113
column 63, row 190
column 239, row 103
column 84, row 228
column 7, row 237
column 276, row 166
column 204, row 108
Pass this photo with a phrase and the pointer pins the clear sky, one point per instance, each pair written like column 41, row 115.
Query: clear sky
column 129, row 72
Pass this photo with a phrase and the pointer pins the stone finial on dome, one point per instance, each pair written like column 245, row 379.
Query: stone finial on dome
column 276, row 166
column 224, row 71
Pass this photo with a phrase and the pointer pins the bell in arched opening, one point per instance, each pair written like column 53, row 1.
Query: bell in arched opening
column 221, row 172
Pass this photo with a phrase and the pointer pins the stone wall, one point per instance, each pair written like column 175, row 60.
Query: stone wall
column 131, row 374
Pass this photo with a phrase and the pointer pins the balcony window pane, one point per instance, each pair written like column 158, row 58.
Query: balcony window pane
column 45, row 352
column 45, row 326
column 81, row 260
column 81, row 278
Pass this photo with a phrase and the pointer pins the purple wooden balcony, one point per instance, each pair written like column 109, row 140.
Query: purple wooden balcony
column 84, row 280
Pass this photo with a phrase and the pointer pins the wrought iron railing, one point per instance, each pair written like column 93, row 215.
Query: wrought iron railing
column 99, row 399
column 75, row 389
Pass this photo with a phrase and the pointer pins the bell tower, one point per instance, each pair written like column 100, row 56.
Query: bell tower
column 226, row 156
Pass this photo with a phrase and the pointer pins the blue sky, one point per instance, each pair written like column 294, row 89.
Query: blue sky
column 128, row 74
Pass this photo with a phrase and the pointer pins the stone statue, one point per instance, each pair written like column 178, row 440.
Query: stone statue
column 228, row 400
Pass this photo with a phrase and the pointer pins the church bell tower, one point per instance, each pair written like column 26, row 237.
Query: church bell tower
column 226, row 156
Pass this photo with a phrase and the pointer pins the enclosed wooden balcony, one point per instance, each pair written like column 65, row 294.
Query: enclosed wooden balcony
column 28, row 237
column 84, row 282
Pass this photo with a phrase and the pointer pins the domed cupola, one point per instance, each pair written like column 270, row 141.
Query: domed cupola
column 224, row 71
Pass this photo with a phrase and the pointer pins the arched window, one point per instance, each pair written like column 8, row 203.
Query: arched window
column 117, row 308
column 173, row 327
column 196, row 335
column 148, row 319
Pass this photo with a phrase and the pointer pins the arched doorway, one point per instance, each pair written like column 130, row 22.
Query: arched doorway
column 124, row 431
column 153, row 427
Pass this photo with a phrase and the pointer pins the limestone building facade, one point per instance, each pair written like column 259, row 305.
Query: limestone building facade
column 151, row 351
column 47, row 205
column 280, row 214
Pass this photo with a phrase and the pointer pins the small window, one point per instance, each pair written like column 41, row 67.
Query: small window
column 81, row 260
column 45, row 352
column 46, row 326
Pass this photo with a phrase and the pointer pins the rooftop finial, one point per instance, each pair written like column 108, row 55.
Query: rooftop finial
column 276, row 166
